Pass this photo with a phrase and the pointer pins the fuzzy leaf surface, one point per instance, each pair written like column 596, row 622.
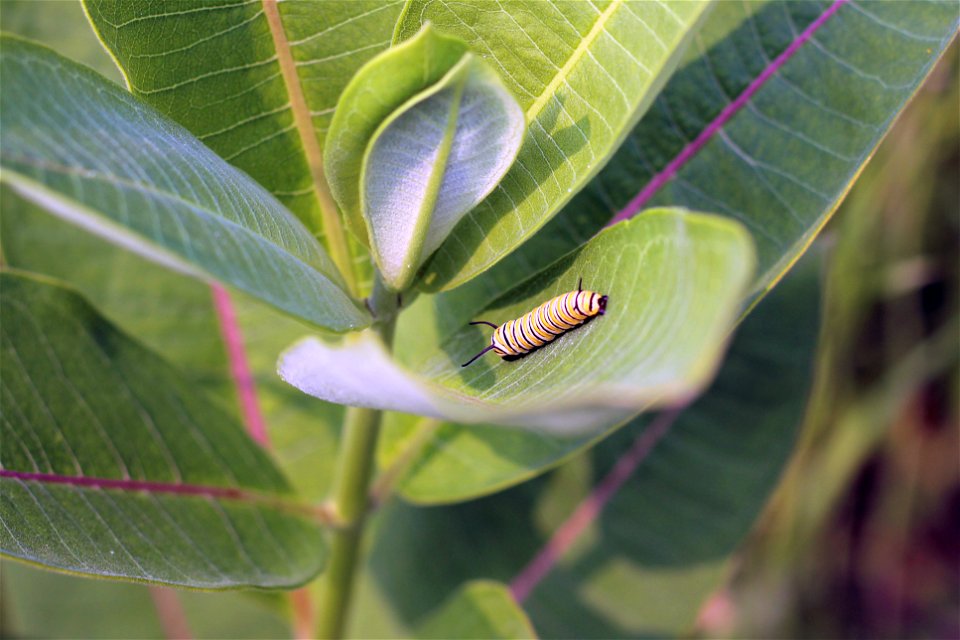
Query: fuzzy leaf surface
column 114, row 466
column 434, row 159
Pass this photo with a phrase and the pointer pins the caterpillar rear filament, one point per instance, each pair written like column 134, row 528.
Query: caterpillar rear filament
column 550, row 320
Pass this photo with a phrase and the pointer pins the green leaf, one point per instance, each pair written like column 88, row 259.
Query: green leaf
column 377, row 90
column 460, row 462
column 218, row 70
column 434, row 159
column 482, row 609
column 91, row 154
column 666, row 539
column 175, row 317
column 673, row 279
column 815, row 95
column 114, row 466
column 583, row 73
column 783, row 162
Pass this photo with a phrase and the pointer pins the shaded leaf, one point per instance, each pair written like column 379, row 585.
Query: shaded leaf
column 673, row 279
column 91, row 154
column 667, row 539
column 815, row 106
column 115, row 467
column 482, row 610
column 583, row 73
column 175, row 317
column 167, row 312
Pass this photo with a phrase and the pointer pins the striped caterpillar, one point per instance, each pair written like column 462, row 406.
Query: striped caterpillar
column 553, row 318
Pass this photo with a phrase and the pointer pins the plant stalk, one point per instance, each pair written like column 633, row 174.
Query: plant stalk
column 351, row 503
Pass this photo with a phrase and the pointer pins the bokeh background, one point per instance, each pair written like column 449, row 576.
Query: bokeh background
column 861, row 538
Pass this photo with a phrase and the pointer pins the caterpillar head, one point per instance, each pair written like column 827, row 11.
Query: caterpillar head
column 602, row 303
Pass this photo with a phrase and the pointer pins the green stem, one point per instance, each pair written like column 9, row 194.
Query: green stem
column 361, row 428
column 351, row 502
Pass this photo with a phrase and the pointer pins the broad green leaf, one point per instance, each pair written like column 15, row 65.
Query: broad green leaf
column 813, row 107
column 432, row 161
column 378, row 89
column 584, row 73
column 673, row 279
column 90, row 153
column 114, row 466
column 256, row 82
column 783, row 161
column 667, row 539
column 482, row 609
column 461, row 462
column 175, row 317
column 644, row 567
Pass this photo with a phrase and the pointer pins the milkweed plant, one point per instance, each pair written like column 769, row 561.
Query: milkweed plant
column 237, row 294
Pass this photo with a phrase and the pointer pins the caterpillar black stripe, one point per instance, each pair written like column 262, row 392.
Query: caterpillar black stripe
column 550, row 320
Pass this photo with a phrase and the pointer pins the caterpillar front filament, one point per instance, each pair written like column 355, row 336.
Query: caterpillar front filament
column 550, row 320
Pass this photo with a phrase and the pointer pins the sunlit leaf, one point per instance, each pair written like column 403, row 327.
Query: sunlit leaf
column 674, row 280
column 376, row 91
column 817, row 105
column 644, row 566
column 217, row 70
column 583, row 73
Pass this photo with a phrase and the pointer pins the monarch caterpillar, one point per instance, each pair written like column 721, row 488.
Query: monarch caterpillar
column 551, row 319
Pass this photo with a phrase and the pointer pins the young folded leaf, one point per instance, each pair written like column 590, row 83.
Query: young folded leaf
column 432, row 161
column 422, row 134
column 378, row 89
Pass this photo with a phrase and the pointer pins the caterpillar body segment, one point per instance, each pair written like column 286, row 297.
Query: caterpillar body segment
column 553, row 318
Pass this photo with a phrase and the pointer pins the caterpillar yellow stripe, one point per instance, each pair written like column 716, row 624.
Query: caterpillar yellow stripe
column 547, row 322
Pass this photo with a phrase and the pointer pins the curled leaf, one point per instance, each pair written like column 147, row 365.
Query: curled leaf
column 423, row 134
column 674, row 280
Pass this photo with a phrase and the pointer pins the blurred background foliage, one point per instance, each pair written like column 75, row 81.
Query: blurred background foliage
column 862, row 537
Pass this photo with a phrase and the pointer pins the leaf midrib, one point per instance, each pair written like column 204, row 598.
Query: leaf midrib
column 550, row 90
column 236, row 494
column 329, row 213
